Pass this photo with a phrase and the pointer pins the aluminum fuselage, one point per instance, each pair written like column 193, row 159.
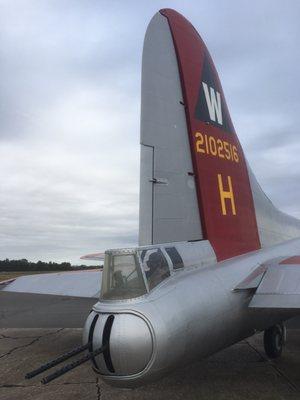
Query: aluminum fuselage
column 190, row 316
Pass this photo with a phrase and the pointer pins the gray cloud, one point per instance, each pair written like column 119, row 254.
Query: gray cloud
column 69, row 107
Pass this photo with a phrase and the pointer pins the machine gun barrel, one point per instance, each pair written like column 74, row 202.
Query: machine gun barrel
column 72, row 365
column 57, row 361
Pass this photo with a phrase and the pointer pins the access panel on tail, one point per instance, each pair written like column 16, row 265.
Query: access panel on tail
column 190, row 133
column 195, row 181
column 168, row 200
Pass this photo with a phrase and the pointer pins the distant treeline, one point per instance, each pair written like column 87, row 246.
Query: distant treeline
column 25, row 265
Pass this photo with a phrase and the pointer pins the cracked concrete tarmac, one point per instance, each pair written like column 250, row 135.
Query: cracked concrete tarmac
column 239, row 372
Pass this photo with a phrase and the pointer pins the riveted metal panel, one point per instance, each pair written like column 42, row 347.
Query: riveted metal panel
column 172, row 201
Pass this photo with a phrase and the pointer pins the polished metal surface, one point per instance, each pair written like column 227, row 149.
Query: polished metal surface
column 279, row 288
column 192, row 315
column 130, row 344
column 168, row 200
column 77, row 284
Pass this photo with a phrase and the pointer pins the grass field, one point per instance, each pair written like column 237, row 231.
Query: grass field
column 9, row 275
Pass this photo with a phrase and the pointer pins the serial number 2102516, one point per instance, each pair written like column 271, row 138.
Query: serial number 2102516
column 216, row 147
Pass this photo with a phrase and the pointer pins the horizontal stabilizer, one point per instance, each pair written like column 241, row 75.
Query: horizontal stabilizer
column 253, row 280
column 77, row 284
column 279, row 287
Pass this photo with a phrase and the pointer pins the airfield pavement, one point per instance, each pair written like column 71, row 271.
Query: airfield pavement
column 239, row 372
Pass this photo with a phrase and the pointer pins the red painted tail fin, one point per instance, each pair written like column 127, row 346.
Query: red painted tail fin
column 223, row 187
column 195, row 182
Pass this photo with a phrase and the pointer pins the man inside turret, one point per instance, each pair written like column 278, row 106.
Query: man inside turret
column 158, row 269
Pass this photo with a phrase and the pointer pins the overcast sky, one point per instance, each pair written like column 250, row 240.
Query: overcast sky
column 70, row 75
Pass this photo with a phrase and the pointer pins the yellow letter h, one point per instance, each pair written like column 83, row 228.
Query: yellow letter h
column 226, row 195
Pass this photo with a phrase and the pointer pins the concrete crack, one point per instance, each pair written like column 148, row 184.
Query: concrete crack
column 19, row 347
column 98, row 389
column 11, row 386
column 275, row 367
column 29, row 344
column 17, row 338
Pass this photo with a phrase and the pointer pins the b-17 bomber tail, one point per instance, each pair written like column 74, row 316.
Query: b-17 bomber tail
column 215, row 262
column 195, row 182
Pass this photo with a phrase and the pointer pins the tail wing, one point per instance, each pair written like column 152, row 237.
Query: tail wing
column 276, row 283
column 195, row 181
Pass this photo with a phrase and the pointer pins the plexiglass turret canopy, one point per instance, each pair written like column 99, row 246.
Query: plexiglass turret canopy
column 130, row 273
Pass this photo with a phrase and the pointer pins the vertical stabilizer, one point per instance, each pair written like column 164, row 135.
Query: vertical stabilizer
column 195, row 181
column 224, row 193
column 168, row 200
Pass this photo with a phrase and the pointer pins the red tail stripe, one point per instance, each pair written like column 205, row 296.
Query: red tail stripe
column 234, row 232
